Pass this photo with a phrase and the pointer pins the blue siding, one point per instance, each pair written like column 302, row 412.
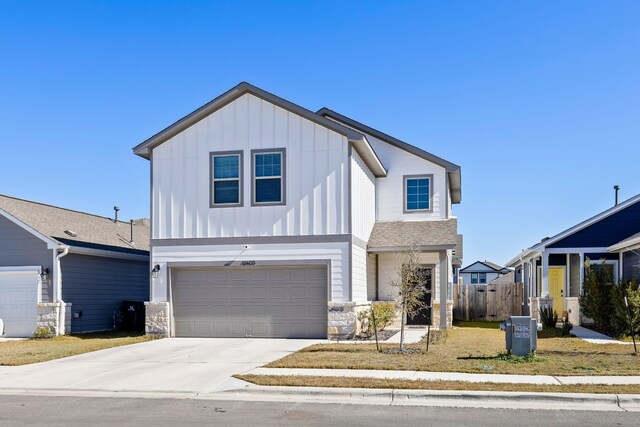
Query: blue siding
column 631, row 265
column 97, row 286
column 606, row 232
column 18, row 247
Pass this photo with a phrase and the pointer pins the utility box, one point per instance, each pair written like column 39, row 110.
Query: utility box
column 521, row 334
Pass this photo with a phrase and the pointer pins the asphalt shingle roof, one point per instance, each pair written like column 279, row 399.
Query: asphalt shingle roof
column 404, row 234
column 90, row 230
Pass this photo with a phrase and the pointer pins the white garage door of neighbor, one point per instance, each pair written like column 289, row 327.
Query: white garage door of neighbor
column 274, row 302
column 18, row 301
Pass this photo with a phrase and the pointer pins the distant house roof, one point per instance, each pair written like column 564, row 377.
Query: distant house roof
column 628, row 243
column 509, row 277
column 453, row 170
column 358, row 139
column 79, row 229
column 495, row 267
column 391, row 236
column 548, row 241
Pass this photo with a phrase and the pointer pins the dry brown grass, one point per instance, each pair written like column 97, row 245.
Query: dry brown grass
column 475, row 350
column 341, row 382
column 25, row 352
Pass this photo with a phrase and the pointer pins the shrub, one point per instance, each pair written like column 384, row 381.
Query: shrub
column 41, row 332
column 384, row 312
column 596, row 302
column 548, row 317
column 566, row 327
column 620, row 315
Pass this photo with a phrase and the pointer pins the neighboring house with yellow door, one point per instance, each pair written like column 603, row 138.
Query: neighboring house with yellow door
column 552, row 271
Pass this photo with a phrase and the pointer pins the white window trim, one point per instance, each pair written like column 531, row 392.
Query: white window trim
column 212, row 180
column 282, row 176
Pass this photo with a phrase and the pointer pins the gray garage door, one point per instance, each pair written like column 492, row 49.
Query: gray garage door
column 274, row 302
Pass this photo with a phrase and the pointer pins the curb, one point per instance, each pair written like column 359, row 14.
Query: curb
column 377, row 397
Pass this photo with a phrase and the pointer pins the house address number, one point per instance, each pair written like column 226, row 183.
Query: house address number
column 248, row 263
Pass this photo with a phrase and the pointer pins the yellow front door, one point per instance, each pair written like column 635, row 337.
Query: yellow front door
column 556, row 289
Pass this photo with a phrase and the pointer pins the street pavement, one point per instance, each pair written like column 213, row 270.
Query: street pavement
column 96, row 411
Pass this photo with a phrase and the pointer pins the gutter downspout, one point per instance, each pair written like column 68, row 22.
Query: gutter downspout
column 61, row 312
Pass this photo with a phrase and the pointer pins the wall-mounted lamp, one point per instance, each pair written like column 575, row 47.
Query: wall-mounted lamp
column 44, row 275
column 154, row 272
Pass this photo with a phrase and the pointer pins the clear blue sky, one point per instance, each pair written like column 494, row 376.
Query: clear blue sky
column 539, row 102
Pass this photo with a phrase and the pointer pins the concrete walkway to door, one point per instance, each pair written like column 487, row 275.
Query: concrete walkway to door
column 197, row 365
column 595, row 337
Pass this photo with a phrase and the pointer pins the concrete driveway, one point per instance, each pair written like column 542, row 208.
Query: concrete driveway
column 197, row 365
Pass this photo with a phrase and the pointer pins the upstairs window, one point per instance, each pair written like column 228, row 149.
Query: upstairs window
column 483, row 277
column 474, row 278
column 226, row 179
column 417, row 193
column 268, row 177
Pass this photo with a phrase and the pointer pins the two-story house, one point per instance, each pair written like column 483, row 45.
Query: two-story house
column 482, row 272
column 271, row 220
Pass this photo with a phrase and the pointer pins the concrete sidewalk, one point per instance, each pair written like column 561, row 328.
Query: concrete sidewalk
column 595, row 337
column 449, row 376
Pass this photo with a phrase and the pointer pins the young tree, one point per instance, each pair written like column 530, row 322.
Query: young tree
column 596, row 302
column 410, row 283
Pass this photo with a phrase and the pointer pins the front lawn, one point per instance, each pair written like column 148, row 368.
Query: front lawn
column 475, row 350
column 25, row 352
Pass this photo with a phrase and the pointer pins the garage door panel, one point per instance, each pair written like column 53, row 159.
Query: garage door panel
column 258, row 302
column 18, row 301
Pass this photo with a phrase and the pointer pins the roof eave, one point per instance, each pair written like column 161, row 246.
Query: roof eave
column 422, row 248
column 369, row 156
column 628, row 244
column 144, row 149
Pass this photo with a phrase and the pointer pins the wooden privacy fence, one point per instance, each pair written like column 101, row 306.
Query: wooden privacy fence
column 495, row 301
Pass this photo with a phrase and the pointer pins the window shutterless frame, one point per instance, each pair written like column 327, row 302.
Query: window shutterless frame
column 406, row 178
column 213, row 180
column 482, row 278
column 474, row 278
column 272, row 175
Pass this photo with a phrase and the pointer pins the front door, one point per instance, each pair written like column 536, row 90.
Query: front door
column 556, row 288
column 423, row 317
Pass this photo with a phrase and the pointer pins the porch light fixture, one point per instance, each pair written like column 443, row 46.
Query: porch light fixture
column 44, row 275
column 154, row 272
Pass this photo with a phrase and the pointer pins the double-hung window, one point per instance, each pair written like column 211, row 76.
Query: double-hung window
column 483, row 277
column 226, row 179
column 474, row 278
column 417, row 193
column 268, row 177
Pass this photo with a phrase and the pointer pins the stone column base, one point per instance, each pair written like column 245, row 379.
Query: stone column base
column 342, row 320
column 536, row 303
column 48, row 314
column 157, row 318
column 572, row 307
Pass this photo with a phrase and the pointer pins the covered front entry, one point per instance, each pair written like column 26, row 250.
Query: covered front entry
column 266, row 302
column 18, row 300
column 423, row 317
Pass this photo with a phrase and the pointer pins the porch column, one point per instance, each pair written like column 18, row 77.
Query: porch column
column 581, row 271
column 567, row 276
column 545, row 275
column 444, row 280
column 620, row 266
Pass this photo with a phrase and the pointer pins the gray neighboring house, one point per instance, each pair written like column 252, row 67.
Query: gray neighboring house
column 482, row 273
column 66, row 270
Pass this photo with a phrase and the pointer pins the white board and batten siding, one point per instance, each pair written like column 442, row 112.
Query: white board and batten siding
column 363, row 217
column 389, row 195
column 316, row 175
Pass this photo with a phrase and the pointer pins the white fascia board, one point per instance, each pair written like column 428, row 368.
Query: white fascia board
column 575, row 250
column 51, row 244
column 107, row 254
column 366, row 152
column 626, row 245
